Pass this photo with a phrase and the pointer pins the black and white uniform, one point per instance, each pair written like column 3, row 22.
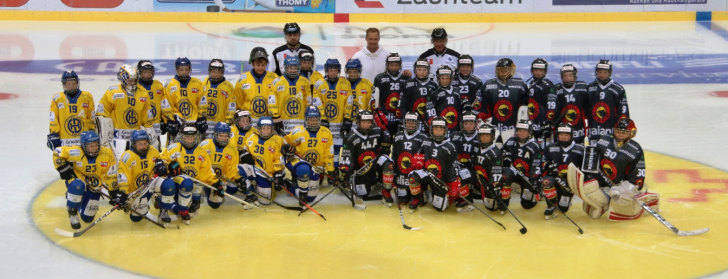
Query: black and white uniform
column 414, row 97
column 360, row 149
column 440, row 160
column 504, row 100
column 469, row 90
column 556, row 160
column 279, row 55
column 467, row 148
column 403, row 151
column 488, row 169
column 519, row 160
column 389, row 89
column 617, row 164
column 445, row 102
column 606, row 105
column 541, row 104
column 571, row 104
column 448, row 57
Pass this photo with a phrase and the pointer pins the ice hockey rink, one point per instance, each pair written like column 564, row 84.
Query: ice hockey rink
column 675, row 75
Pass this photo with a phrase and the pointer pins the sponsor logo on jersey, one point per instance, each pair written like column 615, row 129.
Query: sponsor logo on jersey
column 60, row 105
column 194, row 90
column 159, row 92
column 601, row 112
column 324, row 140
column 342, row 92
column 272, row 151
column 104, row 164
column 85, row 105
column 491, row 86
column 143, row 99
column 117, row 96
column 224, row 93
column 74, row 152
column 503, row 110
column 173, row 89
column 431, row 61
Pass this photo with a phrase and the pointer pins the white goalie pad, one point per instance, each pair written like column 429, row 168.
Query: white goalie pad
column 523, row 113
column 505, row 135
column 105, row 129
column 153, row 137
column 588, row 191
column 624, row 209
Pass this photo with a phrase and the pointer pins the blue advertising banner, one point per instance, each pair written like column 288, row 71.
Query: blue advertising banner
column 289, row 6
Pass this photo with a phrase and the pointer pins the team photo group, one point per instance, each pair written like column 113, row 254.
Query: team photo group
column 367, row 126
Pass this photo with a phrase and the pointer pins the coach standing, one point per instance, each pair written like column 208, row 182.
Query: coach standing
column 293, row 36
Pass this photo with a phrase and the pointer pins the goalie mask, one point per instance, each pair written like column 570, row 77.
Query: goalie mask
column 505, row 69
column 128, row 78
column 624, row 130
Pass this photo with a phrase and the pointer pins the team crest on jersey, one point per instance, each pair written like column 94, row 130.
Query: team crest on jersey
column 601, row 112
column 212, row 108
column 189, row 171
column 392, row 102
column 92, row 180
column 405, row 162
column 420, row 105
column 331, row 110
column 563, row 170
column 533, row 109
column 293, row 107
column 434, row 167
column 503, row 110
column 550, row 115
column 259, row 161
column 609, row 169
column 464, row 158
column 185, row 108
column 572, row 115
column 451, row 115
column 74, row 126
column 312, row 156
column 142, row 178
column 131, row 117
column 366, row 157
column 522, row 166
column 480, row 172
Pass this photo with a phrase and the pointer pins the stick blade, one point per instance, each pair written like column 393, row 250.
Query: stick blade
column 411, row 228
column 65, row 233
column 685, row 233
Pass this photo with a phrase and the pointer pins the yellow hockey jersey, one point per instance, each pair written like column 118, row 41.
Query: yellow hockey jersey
column 71, row 117
column 158, row 104
column 362, row 91
column 224, row 160
column 252, row 93
column 289, row 98
column 128, row 112
column 237, row 140
column 195, row 163
column 135, row 171
column 95, row 172
column 266, row 153
column 313, row 78
column 188, row 101
column 337, row 100
column 316, row 148
column 220, row 102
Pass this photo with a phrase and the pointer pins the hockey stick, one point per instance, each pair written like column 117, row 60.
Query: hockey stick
column 259, row 195
column 137, row 212
column 668, row 225
column 442, row 185
column 267, row 177
column 354, row 199
column 81, row 232
column 401, row 215
column 226, row 194
column 540, row 192
column 523, row 230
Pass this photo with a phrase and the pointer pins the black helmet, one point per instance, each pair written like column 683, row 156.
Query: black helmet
column 291, row 28
column 565, row 128
column 439, row 33
column 540, row 63
column 524, row 124
column 438, row 121
column 188, row 130
column 258, row 53
column 364, row 115
column 393, row 58
column 216, row 64
column 421, row 62
column 411, row 117
column 566, row 68
column 444, row 70
column 469, row 116
column 604, row 64
column 466, row 59
column 145, row 65
column 486, row 129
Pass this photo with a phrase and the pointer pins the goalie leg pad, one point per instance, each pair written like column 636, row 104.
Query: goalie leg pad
column 575, row 178
column 313, row 188
column 650, row 199
column 593, row 195
column 594, row 212
column 264, row 188
column 105, row 130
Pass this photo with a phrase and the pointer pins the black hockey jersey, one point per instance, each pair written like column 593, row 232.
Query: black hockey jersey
column 403, row 151
column 360, row 149
column 626, row 163
column 390, row 90
column 541, row 103
column 504, row 100
column 524, row 157
column 445, row 102
column 468, row 89
column 414, row 97
column 466, row 146
column 556, row 159
column 606, row 105
column 488, row 164
column 570, row 106
column 440, row 159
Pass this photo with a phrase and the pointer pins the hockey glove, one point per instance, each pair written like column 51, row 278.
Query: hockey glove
column 453, row 188
column 418, row 161
column 160, row 168
column 345, row 128
column 496, row 187
column 289, row 150
column 344, row 174
column 118, row 197
column 219, row 189
column 278, row 126
column 173, row 126
column 66, row 171
column 54, row 141
column 385, row 149
column 332, row 175
column 201, row 125
column 162, row 126
column 507, row 162
column 241, row 184
column 278, row 180
column 246, row 158
column 174, row 169
column 547, row 128
column 324, row 123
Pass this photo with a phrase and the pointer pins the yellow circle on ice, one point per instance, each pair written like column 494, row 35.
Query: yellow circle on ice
column 231, row 242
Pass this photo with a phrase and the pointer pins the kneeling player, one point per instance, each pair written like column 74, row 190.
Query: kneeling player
column 137, row 166
column 521, row 164
column 265, row 147
column 556, row 160
column 466, row 144
column 488, row 168
column 363, row 145
column 435, row 162
column 406, row 144
column 84, row 169
column 316, row 145
column 618, row 178
column 224, row 162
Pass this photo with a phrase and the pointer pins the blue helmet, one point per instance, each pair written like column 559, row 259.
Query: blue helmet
column 332, row 63
column 182, row 61
column 136, row 136
column 353, row 64
column 90, row 137
column 221, row 128
column 313, row 119
column 292, row 61
column 262, row 122
column 70, row 75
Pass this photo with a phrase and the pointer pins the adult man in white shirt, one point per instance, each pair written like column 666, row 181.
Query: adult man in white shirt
column 374, row 57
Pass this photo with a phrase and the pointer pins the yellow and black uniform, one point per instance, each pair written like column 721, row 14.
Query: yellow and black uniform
column 134, row 172
column 158, row 105
column 69, row 117
column 128, row 112
column 338, row 100
column 317, row 148
column 288, row 101
column 362, row 90
column 251, row 93
column 187, row 100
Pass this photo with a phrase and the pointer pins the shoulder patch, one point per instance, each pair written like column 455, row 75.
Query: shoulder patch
column 125, row 157
column 74, row 152
column 115, row 87
column 117, row 96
